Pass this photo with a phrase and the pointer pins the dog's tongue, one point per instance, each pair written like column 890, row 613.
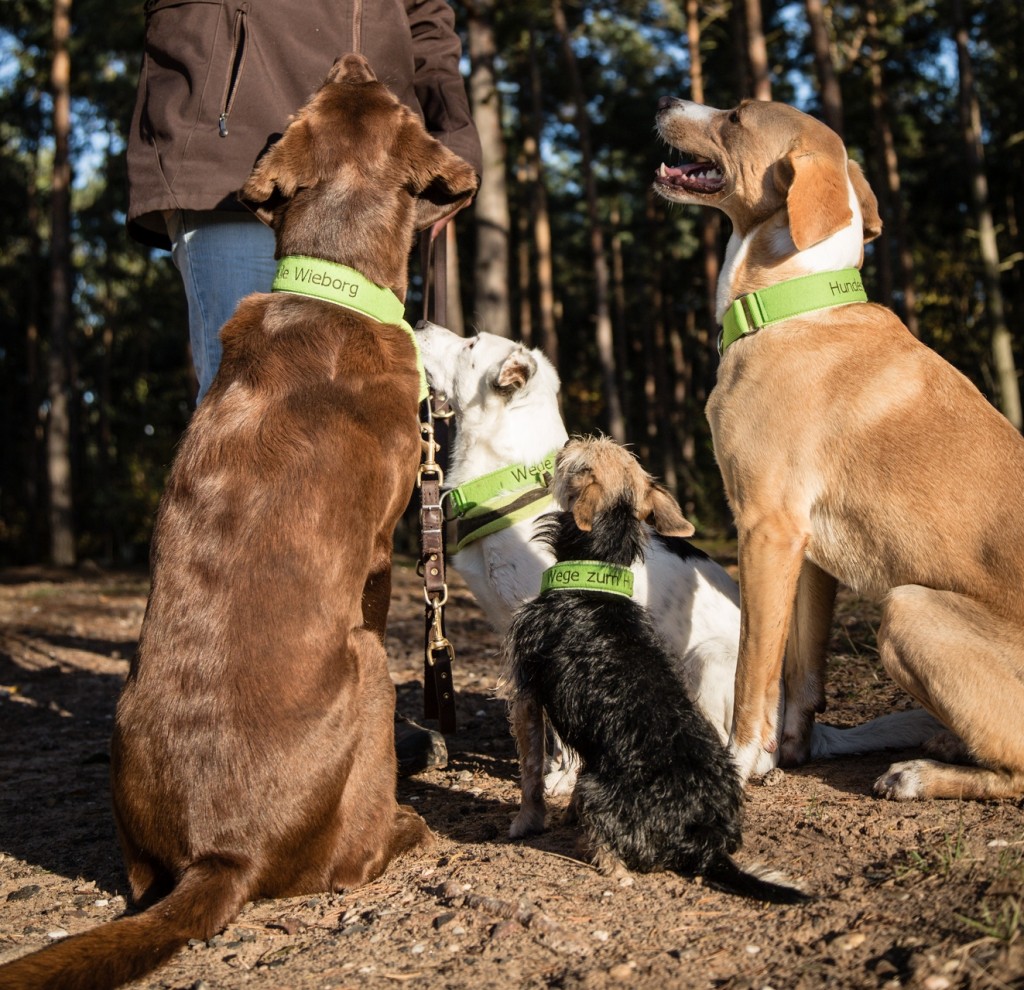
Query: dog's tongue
column 704, row 177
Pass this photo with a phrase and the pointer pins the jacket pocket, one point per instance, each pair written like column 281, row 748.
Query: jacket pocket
column 239, row 46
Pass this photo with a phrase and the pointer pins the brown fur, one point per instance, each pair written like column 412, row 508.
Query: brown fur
column 594, row 474
column 852, row 452
column 253, row 753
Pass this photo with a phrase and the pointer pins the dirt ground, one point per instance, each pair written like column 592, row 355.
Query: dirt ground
column 908, row 895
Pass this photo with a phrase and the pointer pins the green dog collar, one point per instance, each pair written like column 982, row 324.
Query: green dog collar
column 508, row 479
column 791, row 298
column 498, row 500
column 588, row 575
column 346, row 287
column 497, row 514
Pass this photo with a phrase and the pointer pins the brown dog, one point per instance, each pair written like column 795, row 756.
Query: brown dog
column 851, row 451
column 253, row 754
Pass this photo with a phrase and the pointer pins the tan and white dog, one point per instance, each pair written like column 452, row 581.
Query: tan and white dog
column 850, row 452
column 505, row 400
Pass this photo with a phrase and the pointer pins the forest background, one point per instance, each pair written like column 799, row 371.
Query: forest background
column 565, row 247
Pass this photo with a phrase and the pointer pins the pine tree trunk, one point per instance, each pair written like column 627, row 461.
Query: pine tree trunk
column 545, row 273
column 602, row 281
column 1002, row 350
column 58, row 437
column 491, row 296
column 831, row 96
column 889, row 190
column 757, row 52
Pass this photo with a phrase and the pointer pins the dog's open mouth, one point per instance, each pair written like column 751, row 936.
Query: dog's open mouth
column 703, row 177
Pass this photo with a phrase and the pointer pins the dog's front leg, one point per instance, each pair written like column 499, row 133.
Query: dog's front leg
column 770, row 558
column 804, row 669
column 527, row 718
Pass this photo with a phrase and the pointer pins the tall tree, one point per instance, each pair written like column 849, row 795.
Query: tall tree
column 491, row 308
column 828, row 82
column 599, row 254
column 970, row 111
column 61, row 502
column 890, row 192
column 539, row 207
column 757, row 51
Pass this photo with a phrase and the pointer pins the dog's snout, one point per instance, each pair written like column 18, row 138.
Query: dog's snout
column 667, row 102
column 351, row 68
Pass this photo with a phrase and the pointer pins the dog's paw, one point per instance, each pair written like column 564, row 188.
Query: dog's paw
column 794, row 751
column 904, row 781
column 748, row 758
column 560, row 781
column 529, row 821
column 766, row 763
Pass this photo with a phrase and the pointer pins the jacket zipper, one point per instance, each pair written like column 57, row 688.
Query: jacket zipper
column 238, row 52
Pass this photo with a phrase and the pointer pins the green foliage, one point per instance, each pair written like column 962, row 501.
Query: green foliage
column 131, row 385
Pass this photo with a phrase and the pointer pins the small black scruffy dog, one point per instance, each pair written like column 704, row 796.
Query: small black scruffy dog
column 657, row 789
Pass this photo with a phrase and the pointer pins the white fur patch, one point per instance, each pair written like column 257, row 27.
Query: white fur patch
column 747, row 758
column 695, row 111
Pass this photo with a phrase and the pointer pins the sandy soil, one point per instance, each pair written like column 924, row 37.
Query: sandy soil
column 908, row 895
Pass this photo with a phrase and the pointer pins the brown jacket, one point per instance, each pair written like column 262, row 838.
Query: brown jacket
column 220, row 78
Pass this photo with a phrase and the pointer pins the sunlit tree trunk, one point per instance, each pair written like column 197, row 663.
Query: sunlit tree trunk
column 1002, row 350
column 491, row 296
column 757, row 52
column 58, row 436
column 545, row 270
column 831, row 96
column 890, row 192
column 524, row 262
column 602, row 281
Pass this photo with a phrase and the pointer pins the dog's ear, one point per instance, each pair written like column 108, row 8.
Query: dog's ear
column 439, row 179
column 588, row 503
column 817, row 199
column 515, row 371
column 284, row 168
column 868, row 202
column 662, row 511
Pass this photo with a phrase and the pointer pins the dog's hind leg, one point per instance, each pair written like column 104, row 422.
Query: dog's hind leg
column 527, row 718
column 804, row 666
column 965, row 665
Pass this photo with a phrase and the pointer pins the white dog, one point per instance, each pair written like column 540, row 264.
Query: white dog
column 507, row 430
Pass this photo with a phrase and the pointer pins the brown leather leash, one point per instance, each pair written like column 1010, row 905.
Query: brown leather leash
column 438, row 653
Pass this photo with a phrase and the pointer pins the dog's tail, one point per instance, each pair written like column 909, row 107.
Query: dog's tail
column 206, row 898
column 757, row 882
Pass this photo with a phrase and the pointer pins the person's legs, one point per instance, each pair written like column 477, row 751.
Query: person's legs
column 222, row 257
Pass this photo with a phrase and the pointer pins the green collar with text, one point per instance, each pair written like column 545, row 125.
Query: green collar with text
column 507, row 479
column 791, row 298
column 346, row 287
column 588, row 575
column 498, row 500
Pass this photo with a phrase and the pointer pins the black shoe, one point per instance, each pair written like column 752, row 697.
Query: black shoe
column 417, row 748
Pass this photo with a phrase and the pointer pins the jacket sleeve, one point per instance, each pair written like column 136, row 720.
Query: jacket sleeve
column 439, row 85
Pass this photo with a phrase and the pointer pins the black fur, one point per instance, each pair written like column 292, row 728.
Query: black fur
column 657, row 787
column 682, row 548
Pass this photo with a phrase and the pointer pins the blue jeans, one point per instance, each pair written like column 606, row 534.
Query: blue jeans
column 222, row 257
